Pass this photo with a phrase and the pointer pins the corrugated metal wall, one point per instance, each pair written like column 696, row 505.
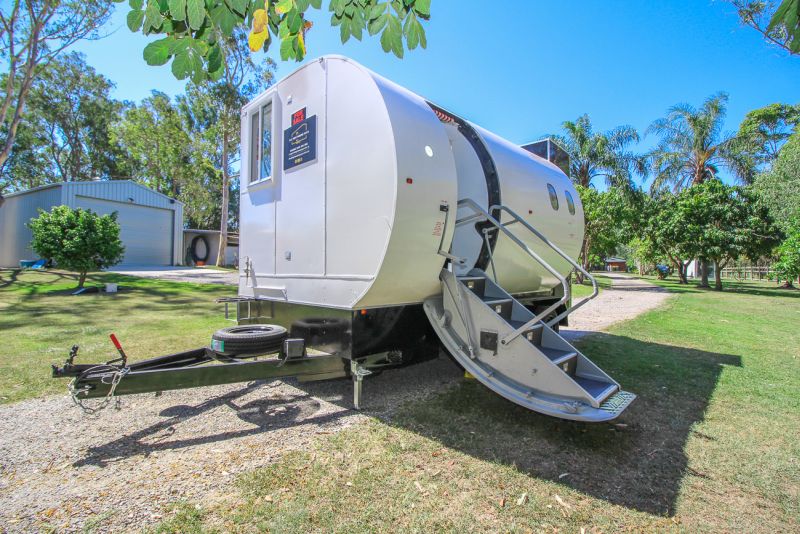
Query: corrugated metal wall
column 16, row 212
column 19, row 209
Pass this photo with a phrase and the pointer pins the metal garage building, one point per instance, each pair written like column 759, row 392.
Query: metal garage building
column 151, row 224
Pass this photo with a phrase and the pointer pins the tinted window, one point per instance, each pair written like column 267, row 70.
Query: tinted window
column 254, row 140
column 570, row 203
column 553, row 196
column 266, row 141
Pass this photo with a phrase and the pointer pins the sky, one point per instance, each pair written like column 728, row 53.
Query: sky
column 520, row 68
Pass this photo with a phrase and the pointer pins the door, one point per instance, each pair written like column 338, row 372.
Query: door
column 146, row 232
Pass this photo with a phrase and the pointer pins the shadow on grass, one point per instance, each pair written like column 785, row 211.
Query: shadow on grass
column 637, row 462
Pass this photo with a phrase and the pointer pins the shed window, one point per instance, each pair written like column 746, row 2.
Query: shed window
column 266, row 141
column 570, row 203
column 553, row 196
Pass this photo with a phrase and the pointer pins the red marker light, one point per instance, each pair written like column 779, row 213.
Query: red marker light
column 409, row 180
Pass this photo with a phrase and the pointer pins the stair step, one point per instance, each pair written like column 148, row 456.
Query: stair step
column 518, row 324
column 599, row 390
column 476, row 284
column 558, row 356
column 491, row 301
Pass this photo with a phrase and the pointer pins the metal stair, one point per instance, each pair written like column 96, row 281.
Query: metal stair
column 516, row 353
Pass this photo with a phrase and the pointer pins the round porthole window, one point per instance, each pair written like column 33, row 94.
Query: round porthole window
column 553, row 196
column 570, row 203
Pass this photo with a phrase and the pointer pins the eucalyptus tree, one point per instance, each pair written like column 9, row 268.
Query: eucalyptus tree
column 764, row 131
column 212, row 111
column 777, row 21
column 33, row 33
column 600, row 155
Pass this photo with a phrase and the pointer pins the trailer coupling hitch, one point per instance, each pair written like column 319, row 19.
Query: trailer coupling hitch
column 71, row 369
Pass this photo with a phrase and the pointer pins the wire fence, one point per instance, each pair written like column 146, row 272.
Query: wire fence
column 748, row 273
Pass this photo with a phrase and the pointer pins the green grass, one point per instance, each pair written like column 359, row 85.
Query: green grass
column 710, row 445
column 585, row 289
column 40, row 321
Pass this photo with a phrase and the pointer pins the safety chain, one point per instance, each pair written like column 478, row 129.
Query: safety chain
column 119, row 374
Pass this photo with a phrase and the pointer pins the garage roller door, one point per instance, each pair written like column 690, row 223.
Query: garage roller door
column 146, row 232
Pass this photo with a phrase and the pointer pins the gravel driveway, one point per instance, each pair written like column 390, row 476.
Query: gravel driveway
column 198, row 275
column 120, row 469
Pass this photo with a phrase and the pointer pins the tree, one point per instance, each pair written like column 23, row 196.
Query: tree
column 788, row 265
column 66, row 126
column 600, row 155
column 692, row 147
column 156, row 145
column 666, row 230
column 77, row 239
column 191, row 28
column 725, row 223
column 605, row 219
column 213, row 112
column 779, row 187
column 765, row 130
column 33, row 33
column 779, row 23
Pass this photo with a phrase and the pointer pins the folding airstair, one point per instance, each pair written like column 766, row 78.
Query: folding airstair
column 511, row 350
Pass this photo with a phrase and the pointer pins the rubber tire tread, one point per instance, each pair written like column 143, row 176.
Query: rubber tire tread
column 244, row 339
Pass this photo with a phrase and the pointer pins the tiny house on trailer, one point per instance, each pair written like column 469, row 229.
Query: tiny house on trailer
column 375, row 227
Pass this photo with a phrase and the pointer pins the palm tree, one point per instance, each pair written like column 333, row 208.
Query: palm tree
column 692, row 147
column 600, row 155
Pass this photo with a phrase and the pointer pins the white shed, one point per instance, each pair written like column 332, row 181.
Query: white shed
column 151, row 224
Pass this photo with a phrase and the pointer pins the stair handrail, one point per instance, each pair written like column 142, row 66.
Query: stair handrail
column 561, row 253
column 485, row 215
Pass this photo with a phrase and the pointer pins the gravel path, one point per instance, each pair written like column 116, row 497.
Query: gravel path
column 204, row 275
column 119, row 470
column 628, row 297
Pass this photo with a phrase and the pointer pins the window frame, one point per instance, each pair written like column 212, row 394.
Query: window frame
column 570, row 202
column 551, row 192
column 257, row 111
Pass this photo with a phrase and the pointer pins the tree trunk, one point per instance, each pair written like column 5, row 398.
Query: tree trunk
column 81, row 279
column 703, row 272
column 717, row 276
column 223, row 225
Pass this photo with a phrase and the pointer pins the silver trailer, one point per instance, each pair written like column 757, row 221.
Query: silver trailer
column 376, row 227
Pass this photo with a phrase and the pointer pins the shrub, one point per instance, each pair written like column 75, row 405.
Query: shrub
column 77, row 240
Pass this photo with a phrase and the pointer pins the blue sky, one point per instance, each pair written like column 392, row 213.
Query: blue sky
column 524, row 67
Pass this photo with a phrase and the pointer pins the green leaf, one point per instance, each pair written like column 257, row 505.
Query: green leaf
column 157, row 52
column 376, row 11
column 344, row 30
column 177, row 8
column 135, row 4
column 317, row 4
column 240, row 6
column 287, row 50
column 215, row 58
column 294, row 21
column 196, row 10
column 284, row 6
column 376, row 25
column 152, row 17
column 225, row 19
column 135, row 19
column 411, row 32
column 423, row 7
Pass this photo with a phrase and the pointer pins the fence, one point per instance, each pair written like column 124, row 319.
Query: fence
column 748, row 273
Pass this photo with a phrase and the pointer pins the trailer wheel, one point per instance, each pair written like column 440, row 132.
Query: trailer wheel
column 244, row 339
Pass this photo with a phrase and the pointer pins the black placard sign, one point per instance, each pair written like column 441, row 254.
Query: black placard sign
column 300, row 143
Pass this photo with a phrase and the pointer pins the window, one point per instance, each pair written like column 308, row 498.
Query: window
column 254, row 141
column 553, row 196
column 266, row 142
column 570, row 203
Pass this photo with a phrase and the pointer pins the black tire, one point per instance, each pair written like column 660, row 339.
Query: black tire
column 193, row 249
column 248, row 339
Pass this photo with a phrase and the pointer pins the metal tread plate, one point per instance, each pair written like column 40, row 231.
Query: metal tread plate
column 617, row 403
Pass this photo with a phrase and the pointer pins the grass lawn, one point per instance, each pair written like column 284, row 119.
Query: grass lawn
column 40, row 321
column 585, row 289
column 711, row 444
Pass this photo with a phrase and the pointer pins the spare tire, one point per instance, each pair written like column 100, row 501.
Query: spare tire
column 193, row 249
column 248, row 339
